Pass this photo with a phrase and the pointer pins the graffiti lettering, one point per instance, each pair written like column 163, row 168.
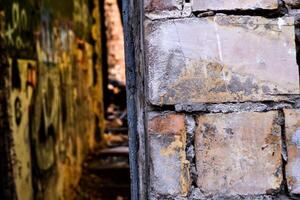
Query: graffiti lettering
column 19, row 23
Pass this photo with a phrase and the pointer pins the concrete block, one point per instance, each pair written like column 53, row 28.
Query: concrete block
column 238, row 153
column 220, row 59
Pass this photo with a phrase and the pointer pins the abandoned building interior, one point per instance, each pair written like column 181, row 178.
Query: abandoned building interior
column 149, row 99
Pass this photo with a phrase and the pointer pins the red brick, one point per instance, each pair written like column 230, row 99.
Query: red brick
column 169, row 170
column 167, row 124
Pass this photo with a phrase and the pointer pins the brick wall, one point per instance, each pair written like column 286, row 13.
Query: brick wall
column 222, row 114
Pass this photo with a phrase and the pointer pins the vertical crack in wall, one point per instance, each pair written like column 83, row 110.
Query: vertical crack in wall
column 284, row 186
column 191, row 124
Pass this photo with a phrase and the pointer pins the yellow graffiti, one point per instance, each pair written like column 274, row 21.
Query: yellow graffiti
column 19, row 23
column 81, row 13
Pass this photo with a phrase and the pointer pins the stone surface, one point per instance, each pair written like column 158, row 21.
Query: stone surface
column 201, row 5
column 293, row 3
column 158, row 9
column 169, row 170
column 191, row 60
column 158, row 5
column 238, row 153
column 292, row 129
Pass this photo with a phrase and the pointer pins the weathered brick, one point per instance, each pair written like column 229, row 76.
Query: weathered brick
column 293, row 3
column 157, row 9
column 221, row 58
column 292, row 129
column 158, row 5
column 201, row 5
column 169, row 171
column 167, row 124
column 238, row 153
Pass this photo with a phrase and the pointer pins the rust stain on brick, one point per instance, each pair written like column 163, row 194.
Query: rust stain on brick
column 167, row 124
column 176, row 145
column 184, row 67
column 167, row 149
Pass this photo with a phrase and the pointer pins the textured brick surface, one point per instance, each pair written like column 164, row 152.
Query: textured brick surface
column 158, row 5
column 156, row 9
column 293, row 3
column 169, row 168
column 238, row 153
column 292, row 123
column 221, row 58
column 234, row 4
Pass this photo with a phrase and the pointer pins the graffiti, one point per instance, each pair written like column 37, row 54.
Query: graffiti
column 45, row 118
column 31, row 76
column 18, row 111
column 49, row 88
column 81, row 17
column 19, row 23
column 2, row 23
column 20, row 99
column 56, row 42
column 84, row 60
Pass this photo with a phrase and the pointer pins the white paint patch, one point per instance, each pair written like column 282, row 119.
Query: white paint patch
column 281, row 22
column 218, row 40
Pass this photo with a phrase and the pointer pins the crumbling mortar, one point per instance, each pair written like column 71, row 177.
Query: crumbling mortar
column 229, row 107
column 280, row 12
column 297, row 40
column 186, row 12
column 166, row 197
column 191, row 124
column 281, row 122
column 168, row 18
column 236, row 107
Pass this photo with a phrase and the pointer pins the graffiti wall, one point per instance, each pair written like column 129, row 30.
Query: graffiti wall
column 53, row 92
